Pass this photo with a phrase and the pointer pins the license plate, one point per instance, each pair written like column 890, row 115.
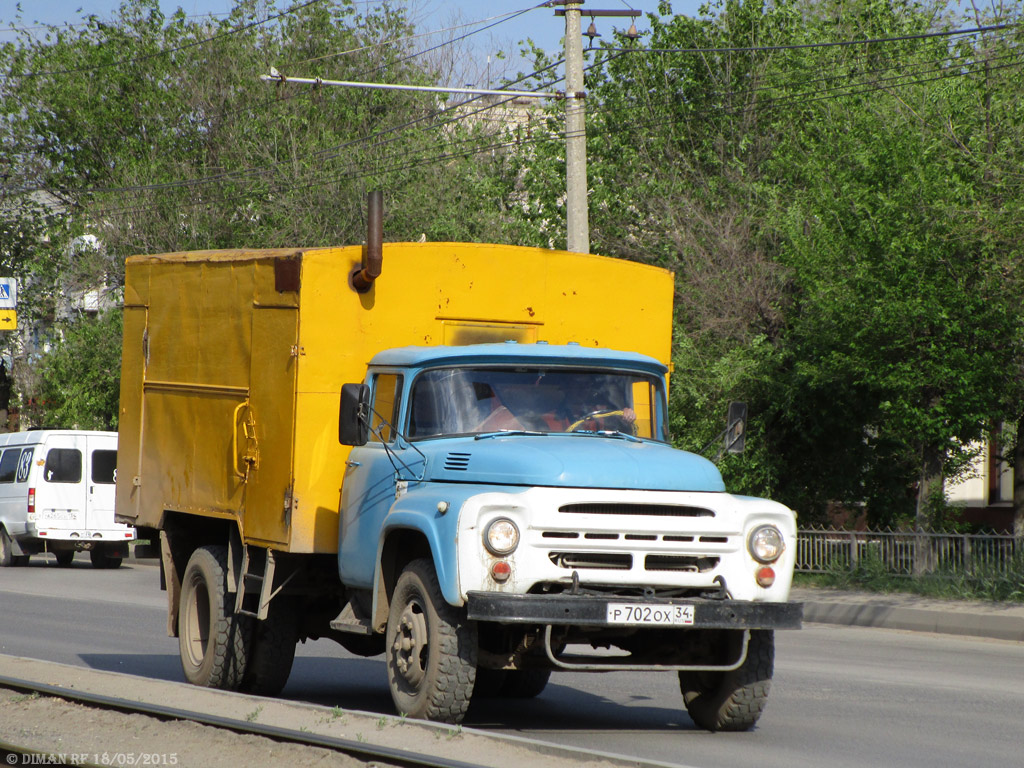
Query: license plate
column 55, row 514
column 653, row 615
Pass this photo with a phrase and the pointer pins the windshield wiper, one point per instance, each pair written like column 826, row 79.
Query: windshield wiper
column 505, row 432
column 608, row 433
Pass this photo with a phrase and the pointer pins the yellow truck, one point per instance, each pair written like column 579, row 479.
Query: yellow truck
column 453, row 454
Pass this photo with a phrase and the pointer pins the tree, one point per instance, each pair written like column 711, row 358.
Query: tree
column 155, row 134
column 825, row 213
column 80, row 375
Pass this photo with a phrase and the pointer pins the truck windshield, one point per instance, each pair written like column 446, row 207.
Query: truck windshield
column 460, row 401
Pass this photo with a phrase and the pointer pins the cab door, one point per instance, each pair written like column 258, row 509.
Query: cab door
column 368, row 491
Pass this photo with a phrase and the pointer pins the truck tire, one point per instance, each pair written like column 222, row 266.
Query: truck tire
column 7, row 557
column 525, row 683
column 488, row 683
column 211, row 640
column 101, row 558
column 272, row 651
column 431, row 649
column 732, row 701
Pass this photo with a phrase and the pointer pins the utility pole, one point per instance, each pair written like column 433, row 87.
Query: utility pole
column 577, row 214
column 576, row 209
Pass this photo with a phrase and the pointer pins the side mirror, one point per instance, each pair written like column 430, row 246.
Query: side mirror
column 353, row 424
column 736, row 428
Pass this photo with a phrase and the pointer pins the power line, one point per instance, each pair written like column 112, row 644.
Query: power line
column 328, row 153
column 432, row 156
column 168, row 51
column 86, row 23
column 502, row 17
column 958, row 69
column 367, row 73
column 799, row 46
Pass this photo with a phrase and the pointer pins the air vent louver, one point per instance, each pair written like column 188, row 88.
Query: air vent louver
column 457, row 462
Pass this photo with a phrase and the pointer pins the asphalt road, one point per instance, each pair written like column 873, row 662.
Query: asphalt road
column 841, row 696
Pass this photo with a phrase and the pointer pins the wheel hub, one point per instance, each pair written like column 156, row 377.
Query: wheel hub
column 410, row 644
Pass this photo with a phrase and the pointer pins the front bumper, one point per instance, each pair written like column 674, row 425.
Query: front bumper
column 592, row 611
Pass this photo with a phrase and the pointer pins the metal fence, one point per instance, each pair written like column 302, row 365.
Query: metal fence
column 910, row 553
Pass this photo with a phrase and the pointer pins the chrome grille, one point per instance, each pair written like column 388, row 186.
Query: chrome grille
column 652, row 510
column 597, row 560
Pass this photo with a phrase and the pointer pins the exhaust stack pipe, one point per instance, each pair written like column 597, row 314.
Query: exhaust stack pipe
column 373, row 253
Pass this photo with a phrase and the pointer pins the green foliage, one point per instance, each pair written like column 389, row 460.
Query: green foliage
column 845, row 223
column 79, row 377
column 828, row 213
column 155, row 134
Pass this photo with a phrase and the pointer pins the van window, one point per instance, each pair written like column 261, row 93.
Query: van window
column 63, row 465
column 25, row 464
column 104, row 467
column 9, row 465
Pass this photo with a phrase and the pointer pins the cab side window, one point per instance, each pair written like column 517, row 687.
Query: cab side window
column 63, row 465
column 386, row 389
column 9, row 464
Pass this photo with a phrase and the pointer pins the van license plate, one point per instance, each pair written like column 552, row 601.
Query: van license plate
column 656, row 615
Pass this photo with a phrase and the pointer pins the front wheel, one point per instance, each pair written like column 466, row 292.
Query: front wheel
column 211, row 640
column 7, row 556
column 734, row 700
column 431, row 649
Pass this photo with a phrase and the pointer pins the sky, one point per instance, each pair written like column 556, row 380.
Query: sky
column 541, row 25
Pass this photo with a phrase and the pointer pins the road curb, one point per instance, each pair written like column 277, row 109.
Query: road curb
column 998, row 621
column 474, row 747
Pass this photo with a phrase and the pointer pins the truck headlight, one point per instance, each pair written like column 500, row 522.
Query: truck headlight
column 766, row 544
column 501, row 537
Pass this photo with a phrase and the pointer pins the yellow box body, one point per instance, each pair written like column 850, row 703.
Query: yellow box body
column 233, row 362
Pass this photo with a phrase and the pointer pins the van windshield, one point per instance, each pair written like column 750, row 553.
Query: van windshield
column 460, row 401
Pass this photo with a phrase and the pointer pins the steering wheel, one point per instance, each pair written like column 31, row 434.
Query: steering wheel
column 593, row 415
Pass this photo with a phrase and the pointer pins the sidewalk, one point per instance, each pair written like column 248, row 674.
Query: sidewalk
column 974, row 618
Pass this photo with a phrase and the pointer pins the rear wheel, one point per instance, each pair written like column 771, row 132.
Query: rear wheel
column 7, row 557
column 488, row 683
column 431, row 649
column 211, row 640
column 272, row 651
column 525, row 683
column 734, row 700
column 101, row 558
column 64, row 557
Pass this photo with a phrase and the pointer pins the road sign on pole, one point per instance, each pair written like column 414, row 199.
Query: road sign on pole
column 8, row 303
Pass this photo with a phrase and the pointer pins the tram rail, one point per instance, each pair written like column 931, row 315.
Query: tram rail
column 370, row 753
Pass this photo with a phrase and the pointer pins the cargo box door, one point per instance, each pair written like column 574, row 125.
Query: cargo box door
column 266, row 428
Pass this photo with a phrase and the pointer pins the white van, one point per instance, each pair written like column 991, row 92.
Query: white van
column 57, row 495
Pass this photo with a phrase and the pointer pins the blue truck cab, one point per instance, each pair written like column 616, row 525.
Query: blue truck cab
column 510, row 510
